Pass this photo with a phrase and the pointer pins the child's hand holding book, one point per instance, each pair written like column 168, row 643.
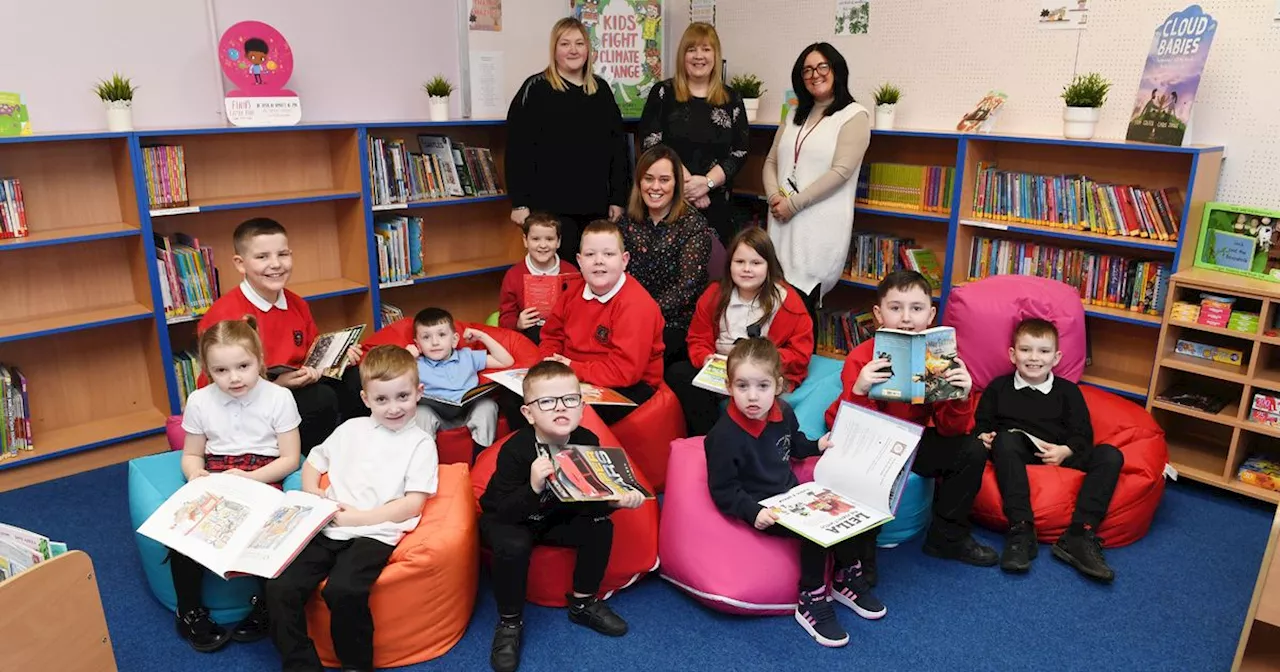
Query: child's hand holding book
column 529, row 317
column 959, row 376
column 876, row 371
column 1054, row 454
column 629, row 500
column 765, row 518
column 539, row 472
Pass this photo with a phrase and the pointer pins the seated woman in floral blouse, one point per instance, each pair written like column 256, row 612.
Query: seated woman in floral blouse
column 669, row 243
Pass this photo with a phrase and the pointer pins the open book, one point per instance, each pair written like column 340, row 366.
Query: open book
column 468, row 397
column 235, row 525
column 328, row 354
column 513, row 379
column 920, row 361
column 713, row 375
column 590, row 473
column 858, row 481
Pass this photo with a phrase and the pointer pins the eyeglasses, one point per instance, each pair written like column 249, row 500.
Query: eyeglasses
column 549, row 403
column 820, row 69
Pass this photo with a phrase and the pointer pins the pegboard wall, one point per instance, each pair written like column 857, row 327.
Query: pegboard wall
column 945, row 55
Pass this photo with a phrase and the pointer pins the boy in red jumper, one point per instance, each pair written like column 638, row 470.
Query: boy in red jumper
column 946, row 450
column 541, row 242
column 284, row 322
column 607, row 328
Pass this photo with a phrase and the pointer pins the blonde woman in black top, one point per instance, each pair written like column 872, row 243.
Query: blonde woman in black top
column 704, row 122
column 565, row 147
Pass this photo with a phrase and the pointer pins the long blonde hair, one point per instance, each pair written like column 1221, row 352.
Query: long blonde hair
column 696, row 34
column 552, row 74
column 242, row 332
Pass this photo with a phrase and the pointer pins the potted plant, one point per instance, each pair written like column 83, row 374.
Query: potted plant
column 1083, row 97
column 438, row 89
column 886, row 104
column 117, row 95
column 750, row 88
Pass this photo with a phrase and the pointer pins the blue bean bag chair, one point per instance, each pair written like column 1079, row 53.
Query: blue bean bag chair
column 811, row 401
column 152, row 480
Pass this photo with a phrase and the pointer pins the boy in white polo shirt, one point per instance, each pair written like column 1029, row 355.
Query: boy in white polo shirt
column 381, row 471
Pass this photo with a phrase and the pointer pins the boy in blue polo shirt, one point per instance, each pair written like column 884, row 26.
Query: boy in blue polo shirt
column 447, row 372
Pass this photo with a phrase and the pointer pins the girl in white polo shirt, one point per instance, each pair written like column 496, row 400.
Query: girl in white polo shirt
column 242, row 425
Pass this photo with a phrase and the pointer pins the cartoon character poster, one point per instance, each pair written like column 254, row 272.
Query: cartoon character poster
column 257, row 60
column 626, row 41
column 1167, row 91
column 14, row 119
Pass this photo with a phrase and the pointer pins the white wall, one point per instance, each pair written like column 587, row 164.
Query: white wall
column 524, row 39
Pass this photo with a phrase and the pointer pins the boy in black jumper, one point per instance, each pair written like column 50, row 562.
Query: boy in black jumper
column 519, row 512
column 1028, row 403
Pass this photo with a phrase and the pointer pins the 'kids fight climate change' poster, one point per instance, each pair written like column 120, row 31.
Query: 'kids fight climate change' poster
column 626, row 36
column 1167, row 91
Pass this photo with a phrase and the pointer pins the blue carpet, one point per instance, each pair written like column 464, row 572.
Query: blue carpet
column 1178, row 604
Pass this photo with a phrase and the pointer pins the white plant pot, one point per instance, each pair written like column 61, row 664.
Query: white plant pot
column 1079, row 123
column 753, row 107
column 439, row 108
column 884, row 116
column 119, row 115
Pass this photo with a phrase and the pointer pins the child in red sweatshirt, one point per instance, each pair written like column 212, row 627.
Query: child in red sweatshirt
column 541, row 242
column 606, row 327
column 947, row 449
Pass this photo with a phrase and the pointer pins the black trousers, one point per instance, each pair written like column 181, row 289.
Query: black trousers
column 701, row 407
column 318, row 406
column 1011, row 452
column 811, row 300
column 534, row 333
column 585, row 527
column 719, row 215
column 350, row 405
column 959, row 461
column 352, row 566
column 675, row 346
column 188, row 581
column 639, row 393
column 571, row 227
column 813, row 558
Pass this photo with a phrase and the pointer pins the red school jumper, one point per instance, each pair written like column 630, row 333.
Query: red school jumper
column 286, row 334
column 953, row 417
column 791, row 330
column 613, row 344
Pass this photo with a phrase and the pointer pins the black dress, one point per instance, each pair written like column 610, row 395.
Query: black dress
column 704, row 135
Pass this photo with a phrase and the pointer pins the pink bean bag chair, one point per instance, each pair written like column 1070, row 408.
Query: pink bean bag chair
column 984, row 314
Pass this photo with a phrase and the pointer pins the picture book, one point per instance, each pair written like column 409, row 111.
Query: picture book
column 926, row 263
column 590, row 473
column 21, row 550
column 983, row 117
column 328, row 354
column 513, row 379
column 920, row 361
column 236, row 526
column 468, row 397
column 1166, row 94
column 713, row 375
column 857, row 482
column 542, row 291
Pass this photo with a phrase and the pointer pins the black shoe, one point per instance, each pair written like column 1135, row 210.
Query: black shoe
column 200, row 631
column 1083, row 550
column 255, row 626
column 504, row 655
column 1020, row 548
column 968, row 551
column 596, row 615
column 849, row 587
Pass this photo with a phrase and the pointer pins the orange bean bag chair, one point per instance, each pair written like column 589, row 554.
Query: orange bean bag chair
column 455, row 445
column 422, row 601
column 648, row 431
column 635, row 538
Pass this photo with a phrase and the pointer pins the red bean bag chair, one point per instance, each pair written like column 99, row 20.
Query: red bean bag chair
column 648, row 431
column 984, row 314
column 635, row 534
column 455, row 445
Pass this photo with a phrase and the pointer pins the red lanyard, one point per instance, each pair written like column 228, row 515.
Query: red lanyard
column 800, row 138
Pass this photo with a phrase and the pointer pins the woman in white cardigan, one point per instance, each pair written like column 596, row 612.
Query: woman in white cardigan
column 811, row 173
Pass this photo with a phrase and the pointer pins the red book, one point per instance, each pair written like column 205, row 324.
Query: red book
column 542, row 291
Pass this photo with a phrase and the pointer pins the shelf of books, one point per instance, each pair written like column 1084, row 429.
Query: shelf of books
column 76, row 274
column 1215, row 386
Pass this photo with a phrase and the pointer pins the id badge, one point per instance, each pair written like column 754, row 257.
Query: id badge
column 788, row 187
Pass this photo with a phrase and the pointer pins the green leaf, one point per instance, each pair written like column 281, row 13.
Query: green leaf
column 1089, row 90
column 438, row 86
column 116, row 88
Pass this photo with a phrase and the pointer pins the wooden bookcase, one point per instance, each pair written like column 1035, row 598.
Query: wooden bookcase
column 1259, row 648
column 1123, row 343
column 1209, row 447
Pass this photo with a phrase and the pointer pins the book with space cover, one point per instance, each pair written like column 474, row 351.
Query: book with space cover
column 467, row 397
column 920, row 361
column 857, row 482
column 714, row 375
column 513, row 379
column 590, row 473
column 237, row 526
column 328, row 354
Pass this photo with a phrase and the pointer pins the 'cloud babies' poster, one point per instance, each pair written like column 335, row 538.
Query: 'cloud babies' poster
column 1179, row 49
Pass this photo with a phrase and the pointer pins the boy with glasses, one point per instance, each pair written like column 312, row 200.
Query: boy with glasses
column 519, row 512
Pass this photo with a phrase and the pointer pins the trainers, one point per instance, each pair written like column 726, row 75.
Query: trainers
column 200, row 631
column 1020, row 548
column 596, row 615
column 504, row 656
column 815, row 615
column 1083, row 550
column 851, row 588
column 255, row 626
column 969, row 551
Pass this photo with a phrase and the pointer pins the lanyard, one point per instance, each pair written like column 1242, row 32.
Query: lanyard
column 800, row 138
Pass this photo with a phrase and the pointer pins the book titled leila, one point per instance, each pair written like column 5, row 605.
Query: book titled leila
column 920, row 361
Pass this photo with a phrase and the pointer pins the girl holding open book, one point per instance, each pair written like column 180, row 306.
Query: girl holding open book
column 749, row 453
column 242, row 425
